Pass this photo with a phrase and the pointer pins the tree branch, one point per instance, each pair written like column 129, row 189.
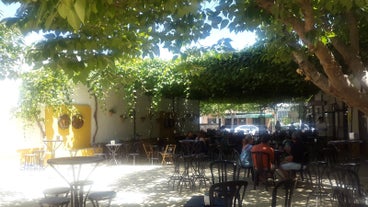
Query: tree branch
column 350, row 56
column 288, row 18
column 311, row 73
column 307, row 10
column 353, row 31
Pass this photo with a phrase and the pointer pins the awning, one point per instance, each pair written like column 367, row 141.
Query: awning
column 247, row 116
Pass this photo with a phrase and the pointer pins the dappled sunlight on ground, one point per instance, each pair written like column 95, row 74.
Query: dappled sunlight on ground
column 136, row 186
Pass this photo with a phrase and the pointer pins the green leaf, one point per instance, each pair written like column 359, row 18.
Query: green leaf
column 224, row 23
column 361, row 3
column 63, row 10
column 73, row 20
column 80, row 9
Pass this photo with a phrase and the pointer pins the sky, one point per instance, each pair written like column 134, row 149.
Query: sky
column 239, row 41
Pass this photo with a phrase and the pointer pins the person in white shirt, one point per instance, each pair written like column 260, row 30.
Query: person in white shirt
column 321, row 127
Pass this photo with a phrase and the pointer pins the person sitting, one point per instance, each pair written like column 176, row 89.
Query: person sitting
column 263, row 157
column 297, row 155
column 265, row 147
column 245, row 155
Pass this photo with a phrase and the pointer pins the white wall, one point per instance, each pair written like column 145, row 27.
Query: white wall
column 111, row 126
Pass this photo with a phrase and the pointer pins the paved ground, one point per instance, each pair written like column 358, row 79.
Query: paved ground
column 139, row 185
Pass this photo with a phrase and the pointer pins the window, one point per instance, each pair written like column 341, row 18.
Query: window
column 212, row 121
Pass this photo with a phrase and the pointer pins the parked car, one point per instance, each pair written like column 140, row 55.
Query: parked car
column 262, row 129
column 297, row 126
column 246, row 129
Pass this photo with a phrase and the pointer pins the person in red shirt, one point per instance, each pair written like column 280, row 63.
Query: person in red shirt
column 264, row 147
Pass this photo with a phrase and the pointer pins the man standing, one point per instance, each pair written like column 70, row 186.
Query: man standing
column 322, row 130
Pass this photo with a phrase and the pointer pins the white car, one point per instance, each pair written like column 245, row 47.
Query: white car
column 246, row 129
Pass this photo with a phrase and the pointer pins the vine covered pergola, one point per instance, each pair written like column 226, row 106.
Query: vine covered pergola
column 106, row 40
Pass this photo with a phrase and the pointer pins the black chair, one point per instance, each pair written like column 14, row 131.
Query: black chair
column 346, row 187
column 316, row 172
column 262, row 169
column 223, row 170
column 228, row 193
column 288, row 185
column 176, row 176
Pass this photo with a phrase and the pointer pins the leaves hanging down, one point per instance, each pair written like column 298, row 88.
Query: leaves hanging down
column 151, row 77
column 43, row 88
column 246, row 77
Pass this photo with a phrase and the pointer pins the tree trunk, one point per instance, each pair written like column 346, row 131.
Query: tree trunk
column 346, row 82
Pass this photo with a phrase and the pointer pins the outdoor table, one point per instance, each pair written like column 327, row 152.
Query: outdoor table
column 78, row 171
column 52, row 145
column 346, row 148
column 113, row 148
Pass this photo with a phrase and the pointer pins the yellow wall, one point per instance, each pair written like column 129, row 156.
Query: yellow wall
column 73, row 138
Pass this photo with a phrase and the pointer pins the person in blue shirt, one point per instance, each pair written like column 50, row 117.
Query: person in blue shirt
column 245, row 155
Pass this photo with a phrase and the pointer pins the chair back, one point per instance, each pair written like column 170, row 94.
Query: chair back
column 346, row 185
column 261, row 161
column 262, row 168
column 223, row 170
column 170, row 149
column 168, row 154
column 148, row 150
column 316, row 172
column 228, row 194
column 236, row 157
column 288, row 185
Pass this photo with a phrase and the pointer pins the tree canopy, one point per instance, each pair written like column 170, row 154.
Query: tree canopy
column 327, row 39
column 332, row 32
column 245, row 77
column 82, row 35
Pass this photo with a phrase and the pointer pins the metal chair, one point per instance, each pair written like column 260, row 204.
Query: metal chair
column 262, row 168
column 228, row 193
column 288, row 185
column 346, row 187
column 98, row 197
column 54, row 202
column 223, row 170
column 57, row 192
column 316, row 172
column 176, row 176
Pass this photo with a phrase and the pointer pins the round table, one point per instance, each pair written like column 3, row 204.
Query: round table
column 75, row 174
column 113, row 148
